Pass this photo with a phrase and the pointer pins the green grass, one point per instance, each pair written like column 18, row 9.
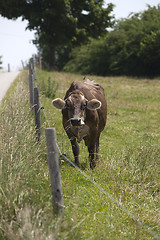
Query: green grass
column 128, row 169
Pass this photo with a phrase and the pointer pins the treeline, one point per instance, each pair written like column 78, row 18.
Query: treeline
column 131, row 48
column 72, row 35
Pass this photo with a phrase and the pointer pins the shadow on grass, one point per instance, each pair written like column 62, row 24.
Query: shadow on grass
column 84, row 164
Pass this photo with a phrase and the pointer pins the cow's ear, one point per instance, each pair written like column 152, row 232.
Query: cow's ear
column 58, row 103
column 93, row 104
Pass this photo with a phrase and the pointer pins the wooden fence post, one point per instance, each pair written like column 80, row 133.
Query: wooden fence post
column 9, row 68
column 22, row 64
column 40, row 60
column 34, row 66
column 37, row 113
column 54, row 171
column 31, row 86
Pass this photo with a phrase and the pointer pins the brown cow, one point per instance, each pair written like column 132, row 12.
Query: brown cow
column 84, row 110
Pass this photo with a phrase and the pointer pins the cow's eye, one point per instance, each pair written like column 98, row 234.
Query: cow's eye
column 68, row 104
column 83, row 105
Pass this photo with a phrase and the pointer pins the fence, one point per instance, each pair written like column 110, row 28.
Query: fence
column 52, row 154
column 53, row 162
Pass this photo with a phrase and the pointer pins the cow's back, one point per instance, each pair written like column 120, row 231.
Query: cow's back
column 89, row 88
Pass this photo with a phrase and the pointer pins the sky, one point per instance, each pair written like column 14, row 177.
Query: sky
column 16, row 42
column 124, row 7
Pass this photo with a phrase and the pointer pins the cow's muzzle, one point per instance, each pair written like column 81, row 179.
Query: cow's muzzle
column 77, row 122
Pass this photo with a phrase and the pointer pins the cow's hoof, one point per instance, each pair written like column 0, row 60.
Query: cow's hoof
column 78, row 164
column 92, row 164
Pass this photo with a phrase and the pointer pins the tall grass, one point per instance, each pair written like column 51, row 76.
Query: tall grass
column 129, row 166
column 22, row 176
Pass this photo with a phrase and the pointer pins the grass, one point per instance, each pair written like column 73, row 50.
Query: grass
column 128, row 170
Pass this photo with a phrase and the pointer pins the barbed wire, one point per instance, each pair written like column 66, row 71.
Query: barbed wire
column 125, row 209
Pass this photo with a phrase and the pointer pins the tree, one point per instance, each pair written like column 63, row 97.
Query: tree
column 150, row 53
column 60, row 23
column 131, row 48
column 92, row 58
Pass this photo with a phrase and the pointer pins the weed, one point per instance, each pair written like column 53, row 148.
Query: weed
column 47, row 86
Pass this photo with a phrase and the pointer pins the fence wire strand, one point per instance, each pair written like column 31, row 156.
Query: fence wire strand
column 125, row 209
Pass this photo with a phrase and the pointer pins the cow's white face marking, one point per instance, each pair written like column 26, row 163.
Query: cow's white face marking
column 82, row 123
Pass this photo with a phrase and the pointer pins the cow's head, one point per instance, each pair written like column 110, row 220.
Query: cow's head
column 76, row 105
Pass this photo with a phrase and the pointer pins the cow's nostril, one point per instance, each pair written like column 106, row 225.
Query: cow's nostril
column 76, row 122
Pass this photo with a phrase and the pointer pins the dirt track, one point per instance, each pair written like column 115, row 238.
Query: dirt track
column 6, row 78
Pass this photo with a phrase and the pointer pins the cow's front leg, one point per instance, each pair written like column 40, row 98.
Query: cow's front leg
column 75, row 149
column 92, row 154
column 97, row 148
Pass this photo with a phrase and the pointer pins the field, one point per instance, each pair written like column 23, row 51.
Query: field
column 128, row 169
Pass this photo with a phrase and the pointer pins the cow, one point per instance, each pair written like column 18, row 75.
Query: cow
column 84, row 111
